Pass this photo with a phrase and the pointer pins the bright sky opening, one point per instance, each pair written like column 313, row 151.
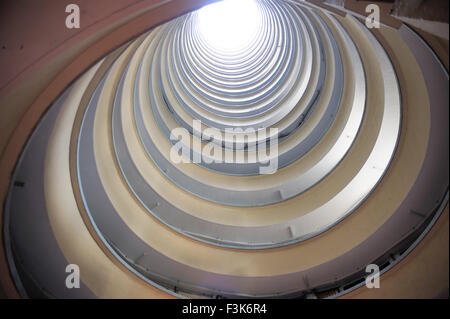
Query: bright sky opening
column 229, row 25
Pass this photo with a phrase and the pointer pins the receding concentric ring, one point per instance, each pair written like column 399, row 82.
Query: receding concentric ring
column 205, row 183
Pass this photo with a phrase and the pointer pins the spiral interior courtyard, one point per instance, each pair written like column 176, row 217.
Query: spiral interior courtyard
column 351, row 120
